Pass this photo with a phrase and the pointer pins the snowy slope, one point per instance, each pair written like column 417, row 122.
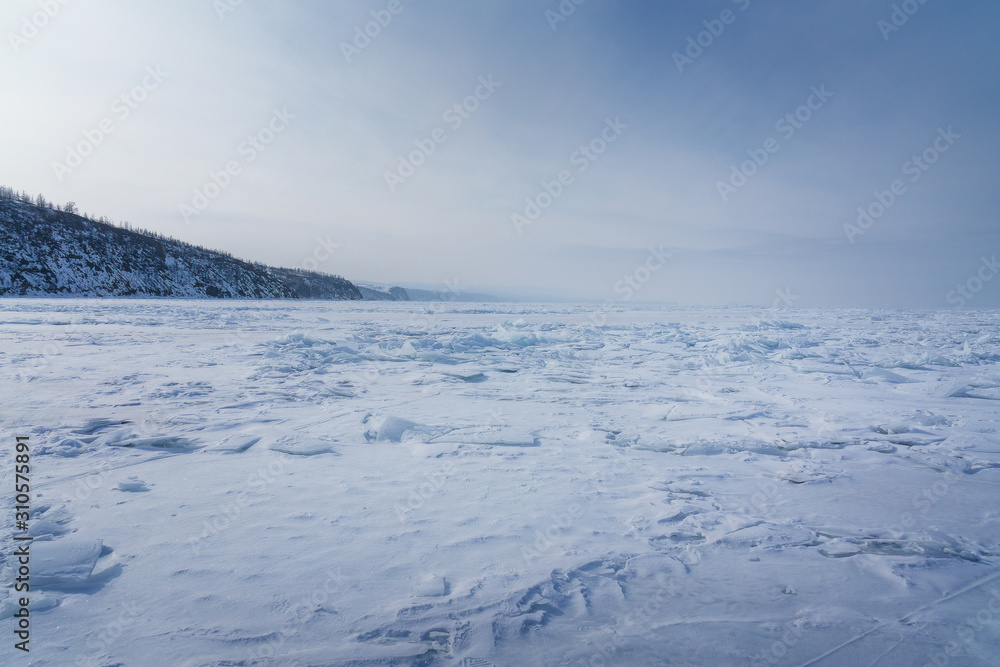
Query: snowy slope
column 341, row 483
column 51, row 252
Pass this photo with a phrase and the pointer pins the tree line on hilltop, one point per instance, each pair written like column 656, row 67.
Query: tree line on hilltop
column 12, row 195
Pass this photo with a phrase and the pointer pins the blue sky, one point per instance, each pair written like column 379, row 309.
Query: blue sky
column 313, row 191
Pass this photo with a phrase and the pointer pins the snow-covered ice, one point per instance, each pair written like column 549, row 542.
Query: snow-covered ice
column 330, row 483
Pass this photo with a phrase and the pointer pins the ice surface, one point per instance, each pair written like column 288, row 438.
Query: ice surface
column 317, row 483
column 237, row 443
column 394, row 429
column 290, row 445
column 132, row 484
column 64, row 561
column 496, row 437
column 430, row 586
column 68, row 447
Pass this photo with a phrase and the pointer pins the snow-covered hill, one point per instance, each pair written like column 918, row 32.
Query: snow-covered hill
column 52, row 252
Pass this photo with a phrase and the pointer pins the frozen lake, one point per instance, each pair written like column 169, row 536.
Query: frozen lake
column 331, row 483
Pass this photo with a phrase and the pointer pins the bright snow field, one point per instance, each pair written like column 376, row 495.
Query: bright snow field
column 319, row 483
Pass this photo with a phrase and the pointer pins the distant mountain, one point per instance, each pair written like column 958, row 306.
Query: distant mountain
column 47, row 251
column 382, row 292
column 374, row 292
column 446, row 295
